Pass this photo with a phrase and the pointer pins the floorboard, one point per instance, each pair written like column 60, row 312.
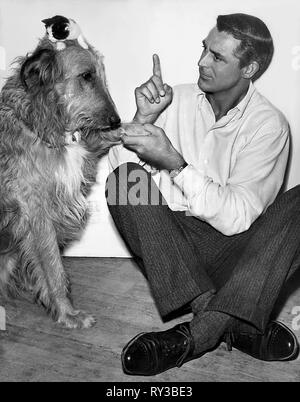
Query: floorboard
column 34, row 348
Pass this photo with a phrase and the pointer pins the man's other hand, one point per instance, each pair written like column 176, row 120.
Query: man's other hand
column 152, row 97
column 153, row 147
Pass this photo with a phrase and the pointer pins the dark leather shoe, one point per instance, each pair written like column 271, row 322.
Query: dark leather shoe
column 278, row 343
column 154, row 352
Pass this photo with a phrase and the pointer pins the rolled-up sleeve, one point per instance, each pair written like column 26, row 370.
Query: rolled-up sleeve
column 254, row 183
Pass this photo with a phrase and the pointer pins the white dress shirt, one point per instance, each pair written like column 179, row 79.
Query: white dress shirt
column 236, row 165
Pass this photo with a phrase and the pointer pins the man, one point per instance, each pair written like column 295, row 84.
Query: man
column 218, row 154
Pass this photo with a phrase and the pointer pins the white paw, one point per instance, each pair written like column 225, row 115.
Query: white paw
column 77, row 319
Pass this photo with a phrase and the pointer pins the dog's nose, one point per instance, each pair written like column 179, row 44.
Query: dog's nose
column 114, row 121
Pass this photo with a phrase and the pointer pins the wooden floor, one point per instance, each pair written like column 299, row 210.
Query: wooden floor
column 36, row 349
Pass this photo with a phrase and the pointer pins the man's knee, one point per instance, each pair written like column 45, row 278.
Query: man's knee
column 295, row 191
column 286, row 207
column 291, row 199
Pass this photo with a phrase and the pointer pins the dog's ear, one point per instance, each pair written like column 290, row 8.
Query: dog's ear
column 40, row 70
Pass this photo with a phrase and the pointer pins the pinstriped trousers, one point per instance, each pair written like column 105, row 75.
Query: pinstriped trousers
column 183, row 257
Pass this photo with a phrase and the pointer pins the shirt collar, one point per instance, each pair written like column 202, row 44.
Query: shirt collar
column 241, row 106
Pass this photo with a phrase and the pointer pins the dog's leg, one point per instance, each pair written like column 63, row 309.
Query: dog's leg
column 47, row 277
column 7, row 267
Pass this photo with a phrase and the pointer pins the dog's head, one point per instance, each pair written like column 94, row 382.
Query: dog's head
column 67, row 88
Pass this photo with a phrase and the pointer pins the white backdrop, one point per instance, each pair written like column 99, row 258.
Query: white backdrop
column 127, row 32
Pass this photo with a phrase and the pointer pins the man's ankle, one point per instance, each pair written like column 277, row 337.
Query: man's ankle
column 200, row 302
column 207, row 329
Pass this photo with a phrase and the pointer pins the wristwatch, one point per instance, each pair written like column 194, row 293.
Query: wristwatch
column 175, row 172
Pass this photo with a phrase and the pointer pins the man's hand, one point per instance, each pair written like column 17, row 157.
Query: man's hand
column 153, row 147
column 153, row 96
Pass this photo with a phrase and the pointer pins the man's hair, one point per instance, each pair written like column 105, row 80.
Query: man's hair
column 256, row 40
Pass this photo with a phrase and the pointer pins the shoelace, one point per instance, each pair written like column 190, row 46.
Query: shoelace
column 231, row 337
column 229, row 340
column 186, row 333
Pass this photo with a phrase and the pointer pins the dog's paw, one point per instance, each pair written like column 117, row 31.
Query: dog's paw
column 77, row 319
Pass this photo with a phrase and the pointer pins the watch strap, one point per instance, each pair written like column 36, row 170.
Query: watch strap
column 175, row 172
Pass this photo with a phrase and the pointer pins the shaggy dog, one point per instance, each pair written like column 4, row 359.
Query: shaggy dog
column 56, row 117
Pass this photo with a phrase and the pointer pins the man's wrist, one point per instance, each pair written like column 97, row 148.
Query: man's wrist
column 175, row 172
column 176, row 161
column 145, row 119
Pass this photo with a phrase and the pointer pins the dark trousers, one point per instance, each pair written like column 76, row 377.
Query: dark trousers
column 183, row 257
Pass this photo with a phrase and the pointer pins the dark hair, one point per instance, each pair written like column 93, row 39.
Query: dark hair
column 256, row 40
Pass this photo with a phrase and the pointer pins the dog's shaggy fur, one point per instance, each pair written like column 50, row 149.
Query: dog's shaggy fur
column 56, row 117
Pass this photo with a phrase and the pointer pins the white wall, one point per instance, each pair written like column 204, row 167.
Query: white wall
column 127, row 32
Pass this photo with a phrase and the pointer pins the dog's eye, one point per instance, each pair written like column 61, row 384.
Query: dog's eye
column 87, row 76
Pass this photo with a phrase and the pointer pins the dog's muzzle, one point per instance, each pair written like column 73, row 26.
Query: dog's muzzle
column 115, row 122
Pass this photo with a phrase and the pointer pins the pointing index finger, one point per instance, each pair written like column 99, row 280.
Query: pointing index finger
column 156, row 66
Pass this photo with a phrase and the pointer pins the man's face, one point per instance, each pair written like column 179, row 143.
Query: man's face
column 219, row 68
